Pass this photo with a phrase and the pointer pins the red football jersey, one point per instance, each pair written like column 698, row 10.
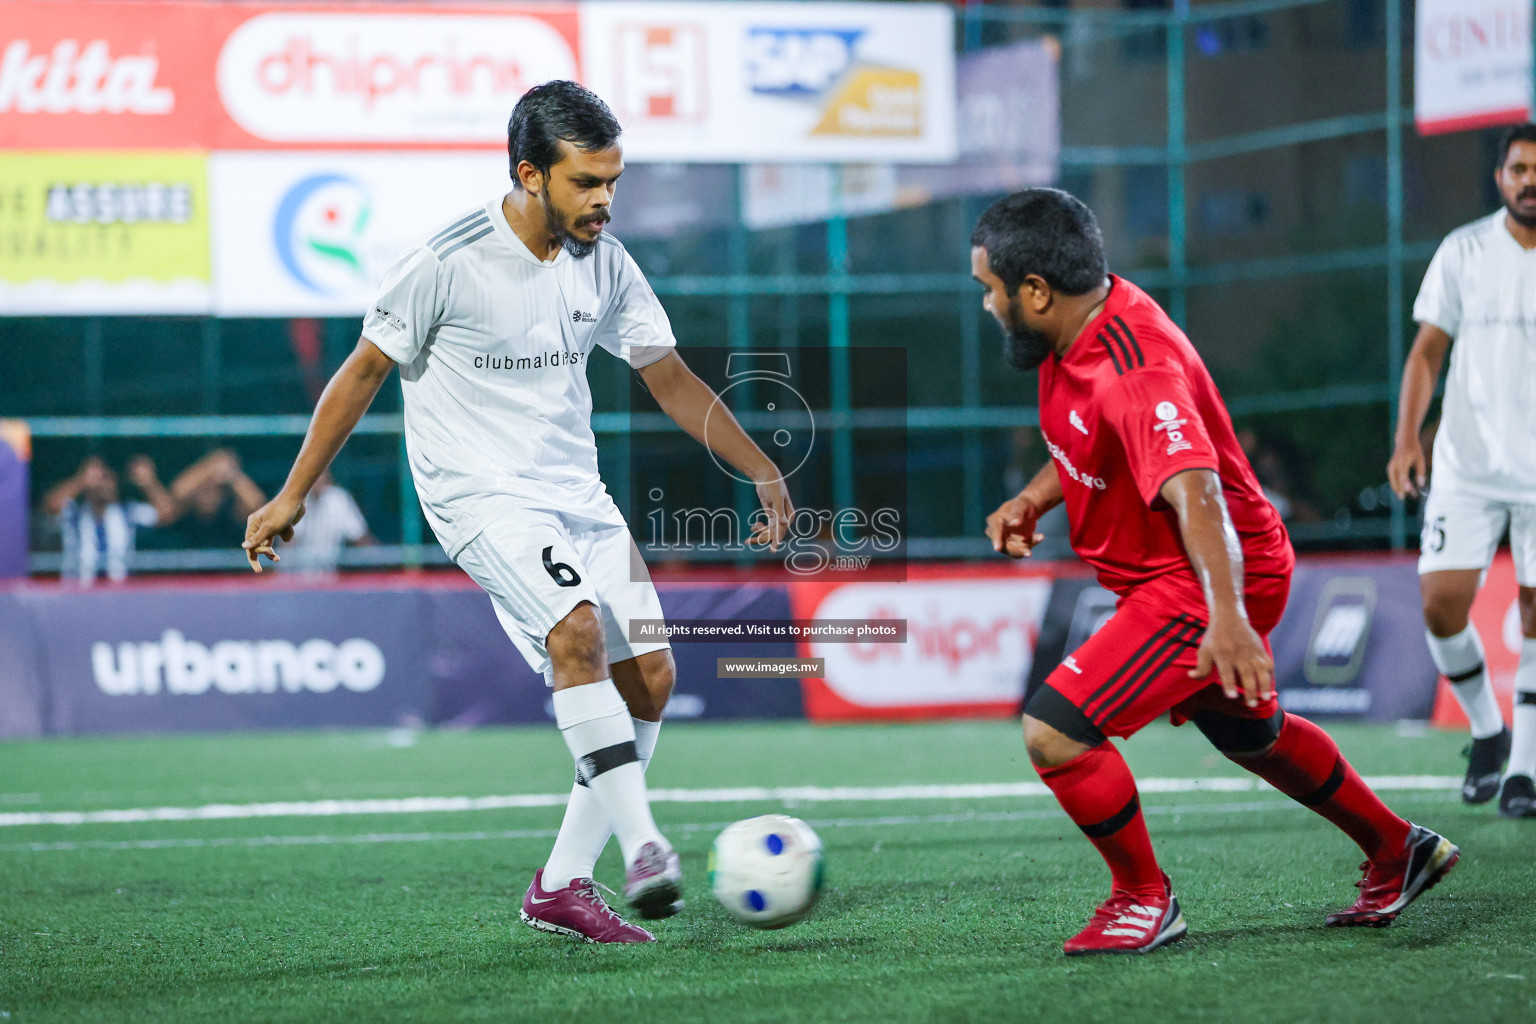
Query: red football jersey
column 1129, row 406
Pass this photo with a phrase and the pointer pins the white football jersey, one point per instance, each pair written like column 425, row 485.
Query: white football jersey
column 1481, row 290
column 493, row 345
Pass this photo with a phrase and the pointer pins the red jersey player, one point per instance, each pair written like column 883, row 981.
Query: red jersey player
column 1162, row 503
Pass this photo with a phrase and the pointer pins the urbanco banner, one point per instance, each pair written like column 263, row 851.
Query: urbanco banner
column 312, row 234
column 1472, row 64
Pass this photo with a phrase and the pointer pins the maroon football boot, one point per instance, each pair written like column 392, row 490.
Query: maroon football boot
column 577, row 910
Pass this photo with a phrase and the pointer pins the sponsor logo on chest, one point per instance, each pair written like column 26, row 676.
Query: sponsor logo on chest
column 1086, row 479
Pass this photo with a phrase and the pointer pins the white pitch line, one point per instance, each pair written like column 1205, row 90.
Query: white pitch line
column 372, row 838
column 743, row 794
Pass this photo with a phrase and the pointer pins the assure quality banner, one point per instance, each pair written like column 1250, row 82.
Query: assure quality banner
column 1472, row 64
column 311, row 234
column 103, row 233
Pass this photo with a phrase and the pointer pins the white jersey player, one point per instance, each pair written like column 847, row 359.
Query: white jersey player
column 492, row 321
column 1480, row 292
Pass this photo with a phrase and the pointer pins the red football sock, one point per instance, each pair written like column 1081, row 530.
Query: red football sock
column 1098, row 793
column 1305, row 765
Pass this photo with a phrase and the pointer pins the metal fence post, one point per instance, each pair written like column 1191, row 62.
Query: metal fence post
column 1395, row 324
column 838, row 338
column 1178, row 263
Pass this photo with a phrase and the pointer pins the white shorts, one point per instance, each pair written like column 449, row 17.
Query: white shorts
column 538, row 565
column 1462, row 531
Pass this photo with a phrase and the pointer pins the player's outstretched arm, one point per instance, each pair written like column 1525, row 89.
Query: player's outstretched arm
column 1011, row 529
column 1406, row 470
column 341, row 405
column 688, row 400
column 1230, row 645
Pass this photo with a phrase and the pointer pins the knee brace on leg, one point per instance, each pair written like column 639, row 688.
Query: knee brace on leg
column 1049, row 706
column 1236, row 737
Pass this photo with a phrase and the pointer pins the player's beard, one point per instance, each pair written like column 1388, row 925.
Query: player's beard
column 1024, row 348
column 1525, row 220
column 554, row 220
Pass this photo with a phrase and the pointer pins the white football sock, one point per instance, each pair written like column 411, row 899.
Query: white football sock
column 1460, row 659
column 597, row 728
column 584, row 830
column 1522, row 754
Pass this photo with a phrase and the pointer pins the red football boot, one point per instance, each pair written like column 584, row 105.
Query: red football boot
column 578, row 911
column 1390, row 886
column 1130, row 924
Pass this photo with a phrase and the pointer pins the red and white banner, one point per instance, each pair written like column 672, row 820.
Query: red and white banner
column 1472, row 64
column 970, row 642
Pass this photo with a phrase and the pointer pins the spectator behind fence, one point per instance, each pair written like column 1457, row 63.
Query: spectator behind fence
column 98, row 527
column 215, row 497
column 331, row 520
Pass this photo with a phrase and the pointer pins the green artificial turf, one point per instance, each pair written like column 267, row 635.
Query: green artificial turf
column 936, row 909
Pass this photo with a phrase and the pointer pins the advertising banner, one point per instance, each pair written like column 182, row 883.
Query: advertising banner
column 742, row 82
column 311, row 234
column 1496, row 614
column 1472, row 64
column 106, row 75
column 698, row 82
column 23, row 687
column 480, row 679
column 382, row 75
column 970, row 643
column 85, row 232
column 15, row 497
column 125, row 660
column 1009, row 134
column 1352, row 642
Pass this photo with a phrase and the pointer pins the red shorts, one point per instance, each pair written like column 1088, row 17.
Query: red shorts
column 1136, row 667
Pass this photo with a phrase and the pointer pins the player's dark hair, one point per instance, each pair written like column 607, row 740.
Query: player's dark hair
column 556, row 112
column 1046, row 232
column 1519, row 133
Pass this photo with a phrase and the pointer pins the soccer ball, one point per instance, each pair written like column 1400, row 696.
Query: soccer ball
column 766, row 871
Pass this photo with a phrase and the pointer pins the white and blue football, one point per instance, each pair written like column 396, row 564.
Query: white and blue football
column 766, row 871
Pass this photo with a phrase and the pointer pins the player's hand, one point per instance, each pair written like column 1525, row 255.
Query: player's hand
column 1237, row 653
column 1406, row 470
column 1011, row 529
column 273, row 521
column 772, row 527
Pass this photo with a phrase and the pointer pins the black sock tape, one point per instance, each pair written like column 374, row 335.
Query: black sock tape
column 1115, row 822
column 606, row 760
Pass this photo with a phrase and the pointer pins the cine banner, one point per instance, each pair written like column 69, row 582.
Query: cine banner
column 1472, row 64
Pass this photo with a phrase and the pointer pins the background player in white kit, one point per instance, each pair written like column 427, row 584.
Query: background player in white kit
column 1480, row 291
column 491, row 322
